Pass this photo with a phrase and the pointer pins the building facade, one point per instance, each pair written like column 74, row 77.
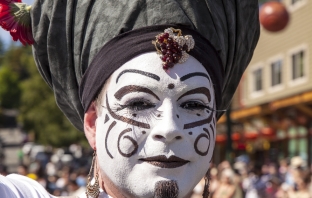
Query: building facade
column 272, row 109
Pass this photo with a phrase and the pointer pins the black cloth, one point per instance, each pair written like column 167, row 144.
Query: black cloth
column 68, row 34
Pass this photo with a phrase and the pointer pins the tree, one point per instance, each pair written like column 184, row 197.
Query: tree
column 9, row 89
column 22, row 87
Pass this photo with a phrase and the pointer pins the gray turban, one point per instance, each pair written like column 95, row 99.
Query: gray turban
column 68, row 35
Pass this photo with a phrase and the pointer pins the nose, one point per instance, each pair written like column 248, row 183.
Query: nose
column 167, row 128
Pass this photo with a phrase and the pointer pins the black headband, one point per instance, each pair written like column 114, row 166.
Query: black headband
column 128, row 45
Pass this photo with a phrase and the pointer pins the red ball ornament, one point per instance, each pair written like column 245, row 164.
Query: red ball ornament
column 273, row 16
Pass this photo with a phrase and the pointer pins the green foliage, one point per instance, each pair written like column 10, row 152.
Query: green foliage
column 12, row 70
column 38, row 112
column 9, row 89
column 18, row 59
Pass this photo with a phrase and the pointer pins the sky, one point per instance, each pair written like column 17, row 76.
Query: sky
column 4, row 35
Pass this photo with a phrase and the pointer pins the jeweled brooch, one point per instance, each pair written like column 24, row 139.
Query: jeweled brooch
column 172, row 47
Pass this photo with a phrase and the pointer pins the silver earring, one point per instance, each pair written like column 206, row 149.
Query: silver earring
column 93, row 190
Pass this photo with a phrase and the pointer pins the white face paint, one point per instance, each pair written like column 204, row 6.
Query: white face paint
column 150, row 115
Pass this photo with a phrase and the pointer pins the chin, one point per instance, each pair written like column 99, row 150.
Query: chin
column 146, row 180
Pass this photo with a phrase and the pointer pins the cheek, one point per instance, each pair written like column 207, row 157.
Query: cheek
column 204, row 140
column 116, row 139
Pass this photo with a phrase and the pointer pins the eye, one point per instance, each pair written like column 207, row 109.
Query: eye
column 138, row 105
column 193, row 105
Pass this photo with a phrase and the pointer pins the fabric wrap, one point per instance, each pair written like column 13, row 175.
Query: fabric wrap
column 68, row 35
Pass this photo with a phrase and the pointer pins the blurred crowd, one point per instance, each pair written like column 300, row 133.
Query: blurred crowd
column 288, row 178
column 63, row 172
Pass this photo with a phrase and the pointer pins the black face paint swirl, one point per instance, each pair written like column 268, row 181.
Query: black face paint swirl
column 147, row 74
column 135, row 144
column 106, row 137
column 211, row 127
column 125, row 119
column 199, row 123
column 106, row 119
column 202, row 135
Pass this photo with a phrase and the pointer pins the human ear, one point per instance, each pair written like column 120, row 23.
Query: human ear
column 90, row 125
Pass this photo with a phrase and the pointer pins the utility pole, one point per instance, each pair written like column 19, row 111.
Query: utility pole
column 229, row 149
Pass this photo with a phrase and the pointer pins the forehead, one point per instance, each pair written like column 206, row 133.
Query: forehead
column 148, row 68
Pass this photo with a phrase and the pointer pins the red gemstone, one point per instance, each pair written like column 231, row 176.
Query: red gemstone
column 169, row 60
column 163, row 58
column 165, row 66
column 170, row 64
column 163, row 51
column 166, row 35
column 170, row 40
column 175, row 59
column 163, row 45
column 169, row 53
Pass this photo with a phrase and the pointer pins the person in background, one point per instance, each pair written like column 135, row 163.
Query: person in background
column 226, row 188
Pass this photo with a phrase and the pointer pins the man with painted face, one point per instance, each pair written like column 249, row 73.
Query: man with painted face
column 146, row 81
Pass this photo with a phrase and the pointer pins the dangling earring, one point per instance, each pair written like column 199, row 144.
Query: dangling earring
column 207, row 183
column 93, row 190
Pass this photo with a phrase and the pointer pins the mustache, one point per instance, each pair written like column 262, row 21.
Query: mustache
column 164, row 162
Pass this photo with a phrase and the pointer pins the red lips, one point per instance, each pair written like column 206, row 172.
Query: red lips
column 163, row 162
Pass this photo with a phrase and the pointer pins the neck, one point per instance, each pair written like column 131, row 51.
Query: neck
column 108, row 187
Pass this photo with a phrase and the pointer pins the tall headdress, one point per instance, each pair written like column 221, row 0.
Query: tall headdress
column 68, row 37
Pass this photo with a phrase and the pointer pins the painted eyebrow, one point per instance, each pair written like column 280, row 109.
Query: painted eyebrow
column 150, row 75
column 190, row 75
column 133, row 88
column 201, row 90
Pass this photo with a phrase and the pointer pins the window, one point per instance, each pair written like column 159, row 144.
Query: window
column 276, row 73
column 255, row 82
column 293, row 2
column 294, row 5
column 297, row 65
column 257, row 76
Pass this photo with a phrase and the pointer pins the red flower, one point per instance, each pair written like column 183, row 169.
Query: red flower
column 15, row 18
